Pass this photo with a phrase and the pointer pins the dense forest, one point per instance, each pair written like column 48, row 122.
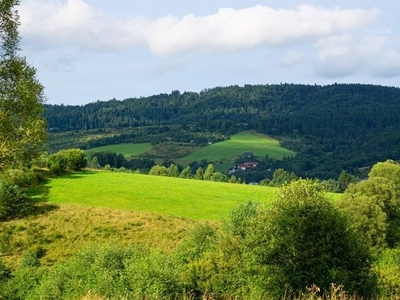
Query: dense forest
column 331, row 128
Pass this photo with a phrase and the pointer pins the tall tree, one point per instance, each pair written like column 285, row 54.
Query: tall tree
column 22, row 129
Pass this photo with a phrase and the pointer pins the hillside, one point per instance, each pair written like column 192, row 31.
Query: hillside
column 331, row 128
column 193, row 199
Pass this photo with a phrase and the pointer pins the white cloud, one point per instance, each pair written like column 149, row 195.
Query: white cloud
column 346, row 55
column 51, row 23
column 293, row 58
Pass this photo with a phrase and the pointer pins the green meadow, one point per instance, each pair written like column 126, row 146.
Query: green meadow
column 193, row 199
column 125, row 149
column 100, row 207
column 239, row 143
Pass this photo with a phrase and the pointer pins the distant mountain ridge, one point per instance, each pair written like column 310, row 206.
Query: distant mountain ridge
column 354, row 124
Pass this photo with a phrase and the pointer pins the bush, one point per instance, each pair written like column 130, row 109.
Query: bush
column 388, row 271
column 76, row 159
column 57, row 163
column 13, row 201
column 24, row 178
column 303, row 241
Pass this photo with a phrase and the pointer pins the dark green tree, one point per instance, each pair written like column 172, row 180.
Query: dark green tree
column 345, row 179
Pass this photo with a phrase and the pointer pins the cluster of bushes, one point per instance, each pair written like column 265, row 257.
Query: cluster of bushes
column 14, row 202
column 208, row 174
column 117, row 161
column 301, row 242
column 16, row 180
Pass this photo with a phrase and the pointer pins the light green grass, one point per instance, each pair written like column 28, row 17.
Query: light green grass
column 124, row 149
column 193, row 199
column 239, row 143
column 187, row 198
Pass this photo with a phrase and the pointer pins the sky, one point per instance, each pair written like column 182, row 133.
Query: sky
column 90, row 50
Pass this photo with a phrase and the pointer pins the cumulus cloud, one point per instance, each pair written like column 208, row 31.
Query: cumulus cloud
column 51, row 23
column 346, row 55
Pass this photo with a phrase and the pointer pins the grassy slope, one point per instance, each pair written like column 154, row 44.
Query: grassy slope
column 125, row 149
column 201, row 200
column 106, row 207
column 239, row 143
column 66, row 229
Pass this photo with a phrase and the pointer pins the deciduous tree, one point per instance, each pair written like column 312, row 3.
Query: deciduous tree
column 22, row 129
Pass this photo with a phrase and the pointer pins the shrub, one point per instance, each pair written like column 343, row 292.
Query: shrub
column 57, row 163
column 76, row 159
column 388, row 271
column 70, row 159
column 303, row 241
column 24, row 178
column 13, row 201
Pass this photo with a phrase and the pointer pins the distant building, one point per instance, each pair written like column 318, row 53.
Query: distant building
column 248, row 165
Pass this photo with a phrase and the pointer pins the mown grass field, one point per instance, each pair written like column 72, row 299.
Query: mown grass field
column 239, row 143
column 193, row 199
column 125, row 149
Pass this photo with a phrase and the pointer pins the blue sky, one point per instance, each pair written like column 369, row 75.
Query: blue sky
column 92, row 50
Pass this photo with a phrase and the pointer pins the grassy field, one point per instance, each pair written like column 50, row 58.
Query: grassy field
column 239, row 143
column 106, row 207
column 125, row 149
column 64, row 229
column 193, row 199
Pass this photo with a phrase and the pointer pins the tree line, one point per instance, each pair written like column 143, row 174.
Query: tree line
column 331, row 128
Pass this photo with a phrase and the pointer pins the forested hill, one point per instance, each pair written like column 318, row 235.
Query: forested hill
column 356, row 123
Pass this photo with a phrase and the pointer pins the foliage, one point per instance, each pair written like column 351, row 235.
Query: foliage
column 388, row 272
column 345, row 179
column 173, row 171
column 374, row 206
column 186, row 173
column 158, row 171
column 76, row 159
column 67, row 160
column 23, row 178
column 209, row 172
column 22, row 128
column 117, row 160
column 13, row 201
column 199, row 174
column 303, row 240
column 57, row 163
column 281, row 177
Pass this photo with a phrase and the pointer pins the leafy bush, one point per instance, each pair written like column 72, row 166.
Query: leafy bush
column 114, row 273
column 373, row 205
column 76, row 159
column 388, row 271
column 303, row 241
column 24, row 178
column 70, row 159
column 13, row 201
column 57, row 163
